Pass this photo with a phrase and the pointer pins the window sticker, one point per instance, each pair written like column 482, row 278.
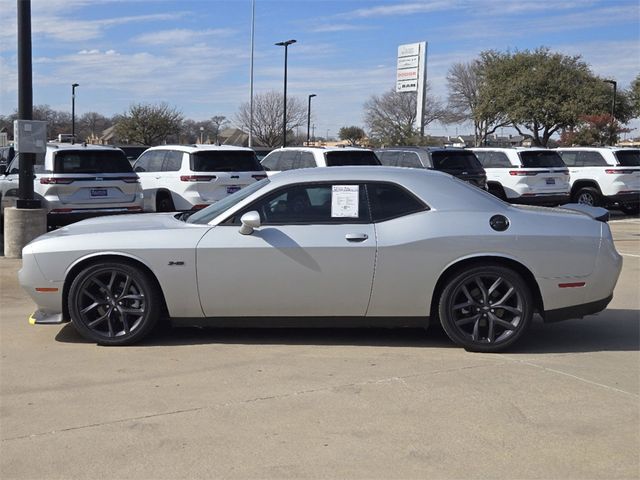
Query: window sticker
column 344, row 201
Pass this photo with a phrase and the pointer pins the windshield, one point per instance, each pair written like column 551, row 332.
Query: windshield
column 225, row 161
column 212, row 211
column 455, row 160
column 351, row 157
column 91, row 161
column 541, row 159
column 628, row 158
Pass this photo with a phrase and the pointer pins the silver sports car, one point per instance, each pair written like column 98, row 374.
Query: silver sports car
column 372, row 246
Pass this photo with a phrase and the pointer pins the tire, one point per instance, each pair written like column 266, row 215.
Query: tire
column 485, row 308
column 164, row 203
column 588, row 196
column 113, row 303
column 630, row 208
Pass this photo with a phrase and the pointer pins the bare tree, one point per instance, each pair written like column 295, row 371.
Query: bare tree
column 391, row 117
column 217, row 122
column 92, row 124
column 464, row 82
column 149, row 124
column 267, row 117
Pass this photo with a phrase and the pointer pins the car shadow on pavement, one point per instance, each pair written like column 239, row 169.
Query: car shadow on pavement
column 615, row 330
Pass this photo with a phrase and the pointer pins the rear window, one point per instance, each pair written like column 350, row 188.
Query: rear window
column 91, row 161
column 541, row 159
column 225, row 161
column 628, row 158
column 455, row 160
column 351, row 157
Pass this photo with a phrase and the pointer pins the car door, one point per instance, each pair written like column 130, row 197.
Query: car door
column 313, row 256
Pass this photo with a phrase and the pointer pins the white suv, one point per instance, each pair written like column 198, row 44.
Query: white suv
column 604, row 176
column 290, row 158
column 191, row 177
column 76, row 181
column 533, row 176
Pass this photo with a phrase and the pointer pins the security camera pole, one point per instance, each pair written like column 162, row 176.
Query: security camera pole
column 27, row 219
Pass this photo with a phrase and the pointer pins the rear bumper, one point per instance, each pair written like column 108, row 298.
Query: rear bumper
column 75, row 215
column 541, row 199
column 576, row 311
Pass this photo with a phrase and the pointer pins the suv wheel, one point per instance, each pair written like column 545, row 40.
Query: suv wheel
column 630, row 208
column 588, row 196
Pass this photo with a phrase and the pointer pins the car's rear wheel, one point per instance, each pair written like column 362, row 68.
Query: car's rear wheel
column 485, row 308
column 164, row 203
column 588, row 196
column 114, row 303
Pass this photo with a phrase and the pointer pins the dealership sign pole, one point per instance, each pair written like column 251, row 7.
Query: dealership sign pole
column 411, row 76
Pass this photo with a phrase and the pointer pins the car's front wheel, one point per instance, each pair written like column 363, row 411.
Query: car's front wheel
column 485, row 308
column 114, row 303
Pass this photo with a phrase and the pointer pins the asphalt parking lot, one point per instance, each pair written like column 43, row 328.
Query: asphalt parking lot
column 195, row 403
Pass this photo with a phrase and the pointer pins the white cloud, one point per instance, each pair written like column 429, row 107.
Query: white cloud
column 180, row 36
column 402, row 9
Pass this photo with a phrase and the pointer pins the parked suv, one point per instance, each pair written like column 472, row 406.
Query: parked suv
column 190, row 177
column 534, row 176
column 291, row 158
column 76, row 181
column 459, row 162
column 604, row 176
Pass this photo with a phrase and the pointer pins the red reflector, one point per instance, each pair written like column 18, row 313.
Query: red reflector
column 134, row 209
column 571, row 285
column 259, row 177
column 56, row 181
column 521, row 173
column 197, row 178
column 46, row 290
column 131, row 179
column 199, row 207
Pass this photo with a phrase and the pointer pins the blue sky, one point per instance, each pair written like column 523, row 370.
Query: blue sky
column 194, row 54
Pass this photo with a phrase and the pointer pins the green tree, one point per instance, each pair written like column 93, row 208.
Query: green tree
column 593, row 130
column 541, row 92
column 354, row 135
column 633, row 96
column 148, row 124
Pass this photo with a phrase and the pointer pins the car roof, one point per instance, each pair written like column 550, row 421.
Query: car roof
column 79, row 146
column 353, row 173
column 512, row 149
column 192, row 148
column 414, row 148
column 608, row 149
column 322, row 149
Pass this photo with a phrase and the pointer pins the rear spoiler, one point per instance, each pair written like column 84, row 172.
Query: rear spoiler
column 597, row 213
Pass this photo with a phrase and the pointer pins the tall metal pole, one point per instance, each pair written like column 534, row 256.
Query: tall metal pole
column 73, row 112
column 253, row 24
column 284, row 113
column 613, row 108
column 25, row 103
column 309, row 116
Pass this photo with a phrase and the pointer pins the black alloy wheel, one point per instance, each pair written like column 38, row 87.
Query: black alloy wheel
column 114, row 303
column 588, row 196
column 485, row 309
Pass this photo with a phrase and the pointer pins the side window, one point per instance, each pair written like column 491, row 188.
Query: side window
column 172, row 161
column 270, row 162
column 306, row 204
column 570, row 159
column 498, row 160
column 288, row 160
column 157, row 158
column 14, row 168
column 142, row 164
column 592, row 159
column 305, row 160
column 390, row 201
column 390, row 158
column 410, row 159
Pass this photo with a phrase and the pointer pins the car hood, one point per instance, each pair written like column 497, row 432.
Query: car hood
column 120, row 223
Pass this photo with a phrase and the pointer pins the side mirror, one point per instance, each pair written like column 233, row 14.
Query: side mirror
column 3, row 169
column 250, row 221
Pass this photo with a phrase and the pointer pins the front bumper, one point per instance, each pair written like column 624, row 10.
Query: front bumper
column 44, row 317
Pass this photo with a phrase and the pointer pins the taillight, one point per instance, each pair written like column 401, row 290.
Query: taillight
column 522, row 173
column 197, row 178
column 130, row 179
column 200, row 206
column 259, row 177
column 614, row 171
column 56, row 181
column 134, row 209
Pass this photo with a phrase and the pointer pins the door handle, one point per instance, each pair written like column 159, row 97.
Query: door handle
column 356, row 237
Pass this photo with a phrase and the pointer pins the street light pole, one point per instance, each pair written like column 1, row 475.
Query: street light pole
column 73, row 112
column 284, row 113
column 309, row 116
column 613, row 108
